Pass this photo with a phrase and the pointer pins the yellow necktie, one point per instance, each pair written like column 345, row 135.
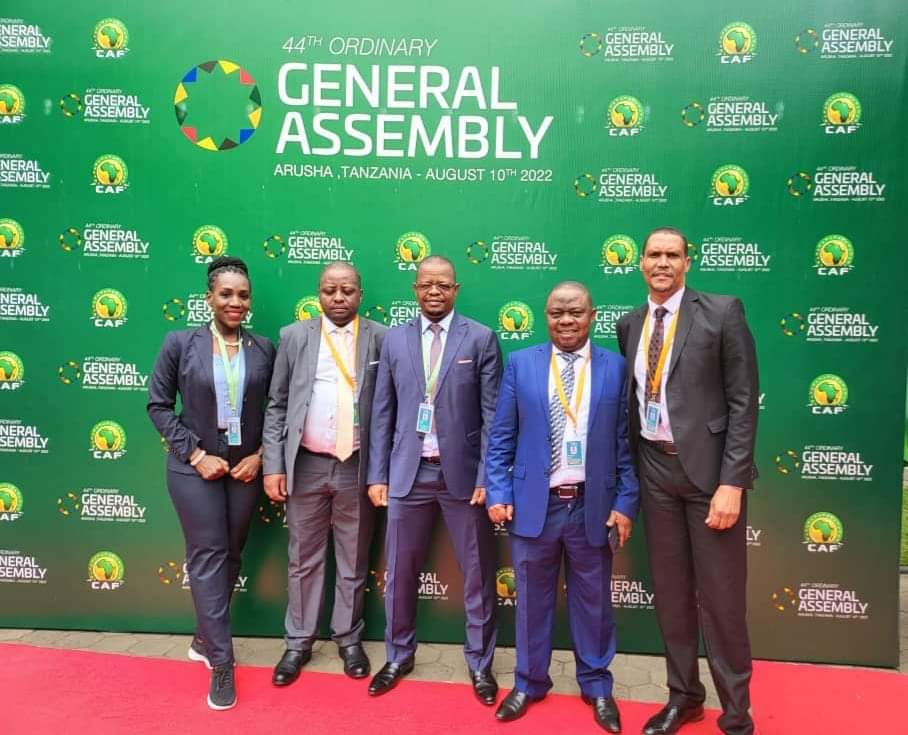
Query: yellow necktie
column 343, row 447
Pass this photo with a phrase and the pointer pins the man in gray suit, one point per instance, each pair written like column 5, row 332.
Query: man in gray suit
column 434, row 403
column 693, row 400
column 316, row 441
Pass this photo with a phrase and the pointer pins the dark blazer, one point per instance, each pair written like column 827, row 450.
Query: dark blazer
column 184, row 366
column 464, row 406
column 518, row 463
column 291, row 391
column 712, row 390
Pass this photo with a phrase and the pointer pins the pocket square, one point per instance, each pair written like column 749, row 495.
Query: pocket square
column 464, row 362
column 373, row 362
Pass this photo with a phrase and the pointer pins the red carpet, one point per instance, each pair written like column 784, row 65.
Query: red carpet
column 54, row 691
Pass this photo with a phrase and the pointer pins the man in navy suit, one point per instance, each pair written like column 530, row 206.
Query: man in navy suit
column 434, row 402
column 559, row 470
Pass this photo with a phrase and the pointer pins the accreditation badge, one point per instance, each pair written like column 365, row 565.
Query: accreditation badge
column 424, row 417
column 573, row 453
column 653, row 412
column 234, row 434
column 355, row 414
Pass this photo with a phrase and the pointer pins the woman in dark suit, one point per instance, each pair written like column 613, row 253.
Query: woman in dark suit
column 222, row 373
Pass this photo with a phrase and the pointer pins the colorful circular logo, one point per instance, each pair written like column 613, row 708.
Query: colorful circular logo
column 274, row 246
column 590, row 44
column 12, row 101
column 800, row 184
column 170, row 572
column 12, row 370
column 70, row 372
column 209, row 241
column 625, row 112
column 71, row 104
column 107, row 436
column 412, row 247
column 785, row 599
column 70, row 239
column 105, row 566
column 506, row 583
column 585, row 185
column 828, row 390
column 108, row 303
column 12, row 236
column 69, row 504
column 110, row 170
column 792, row 324
column 730, row 181
column 807, row 40
column 823, row 528
column 842, row 108
column 787, row 462
column 515, row 316
column 226, row 105
column 378, row 313
column 835, row 251
column 307, row 307
column 693, row 114
column 477, row 252
column 11, row 500
column 738, row 39
column 619, row 250
column 173, row 309
column 110, row 34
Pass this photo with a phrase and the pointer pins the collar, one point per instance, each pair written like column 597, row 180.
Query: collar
column 334, row 329
column 584, row 351
column 672, row 305
column 445, row 323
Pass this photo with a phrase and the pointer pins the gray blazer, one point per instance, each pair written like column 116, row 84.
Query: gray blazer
column 712, row 389
column 464, row 407
column 291, row 390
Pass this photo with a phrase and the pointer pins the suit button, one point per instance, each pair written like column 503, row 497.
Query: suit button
column 546, row 473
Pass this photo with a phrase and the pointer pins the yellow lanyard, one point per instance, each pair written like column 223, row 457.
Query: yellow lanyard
column 431, row 377
column 231, row 370
column 351, row 379
column 578, row 393
column 656, row 380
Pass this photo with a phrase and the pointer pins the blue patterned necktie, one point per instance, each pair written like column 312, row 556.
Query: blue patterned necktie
column 557, row 416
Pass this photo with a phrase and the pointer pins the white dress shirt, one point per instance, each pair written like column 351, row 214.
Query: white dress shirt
column 571, row 474
column 663, row 431
column 430, row 441
column 320, row 429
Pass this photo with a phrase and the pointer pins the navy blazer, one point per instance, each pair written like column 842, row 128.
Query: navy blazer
column 518, row 462
column 184, row 366
column 464, row 406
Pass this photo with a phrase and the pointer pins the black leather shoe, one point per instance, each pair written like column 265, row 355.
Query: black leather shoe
column 389, row 676
column 356, row 662
column 514, row 706
column 605, row 712
column 671, row 717
column 484, row 686
column 288, row 668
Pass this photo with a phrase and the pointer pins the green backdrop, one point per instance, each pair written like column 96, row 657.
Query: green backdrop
column 527, row 143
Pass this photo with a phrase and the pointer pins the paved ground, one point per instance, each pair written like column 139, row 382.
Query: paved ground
column 640, row 678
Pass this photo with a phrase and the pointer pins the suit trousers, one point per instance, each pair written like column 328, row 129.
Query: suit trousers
column 588, row 573
column 411, row 520
column 700, row 584
column 215, row 516
column 326, row 495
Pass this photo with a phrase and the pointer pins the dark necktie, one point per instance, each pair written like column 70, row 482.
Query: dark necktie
column 557, row 416
column 655, row 348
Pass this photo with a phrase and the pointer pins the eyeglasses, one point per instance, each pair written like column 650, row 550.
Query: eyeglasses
column 443, row 287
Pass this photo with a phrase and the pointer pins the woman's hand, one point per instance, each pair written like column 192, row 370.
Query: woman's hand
column 211, row 467
column 247, row 469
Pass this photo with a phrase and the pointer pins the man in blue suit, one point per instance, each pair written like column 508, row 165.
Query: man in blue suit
column 559, row 469
column 434, row 402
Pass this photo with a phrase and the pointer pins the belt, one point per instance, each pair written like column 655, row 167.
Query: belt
column 568, row 492
column 328, row 455
column 664, row 447
column 432, row 460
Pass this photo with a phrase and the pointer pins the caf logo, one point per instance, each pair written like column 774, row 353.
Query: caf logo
column 107, row 440
column 108, row 308
column 110, row 39
column 828, row 395
column 12, row 371
column 835, row 256
column 411, row 248
column 619, row 255
column 730, row 184
column 515, row 321
column 307, row 308
column 823, row 533
column 841, row 114
column 208, row 242
column 506, row 586
column 785, row 599
column 12, row 238
column 105, row 571
column 738, row 43
column 11, row 502
column 625, row 116
column 12, row 105
column 110, row 174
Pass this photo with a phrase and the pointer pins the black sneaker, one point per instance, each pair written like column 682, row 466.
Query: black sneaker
column 198, row 652
column 222, row 693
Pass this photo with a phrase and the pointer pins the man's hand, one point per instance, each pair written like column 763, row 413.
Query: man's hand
column 378, row 494
column 276, row 487
column 247, row 469
column 624, row 525
column 479, row 496
column 500, row 513
column 724, row 508
column 211, row 467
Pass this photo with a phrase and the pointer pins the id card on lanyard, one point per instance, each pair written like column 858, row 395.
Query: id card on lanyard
column 425, row 414
column 232, row 376
column 572, row 450
column 654, row 398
